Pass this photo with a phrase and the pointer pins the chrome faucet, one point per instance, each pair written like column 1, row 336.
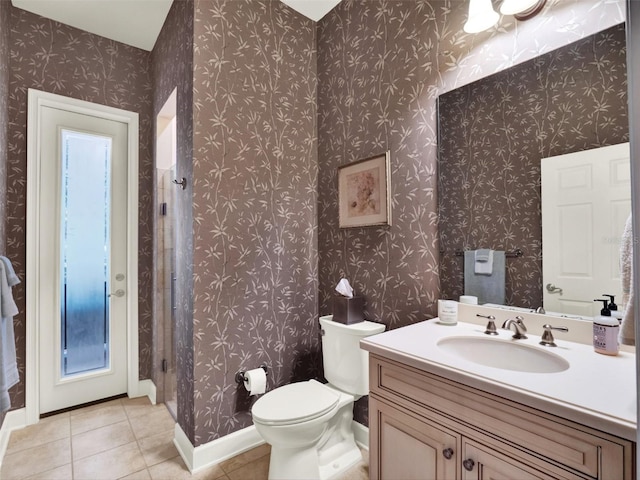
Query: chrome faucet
column 519, row 328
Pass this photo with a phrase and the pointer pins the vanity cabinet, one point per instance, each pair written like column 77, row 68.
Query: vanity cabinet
column 423, row 426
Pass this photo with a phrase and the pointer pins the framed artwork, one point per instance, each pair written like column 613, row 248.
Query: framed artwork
column 364, row 192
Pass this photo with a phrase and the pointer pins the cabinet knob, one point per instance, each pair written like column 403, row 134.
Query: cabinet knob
column 468, row 464
column 448, row 453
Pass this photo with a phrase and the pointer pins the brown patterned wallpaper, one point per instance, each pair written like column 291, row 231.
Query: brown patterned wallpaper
column 381, row 67
column 254, row 200
column 56, row 58
column 5, row 14
column 493, row 134
column 263, row 213
column 172, row 67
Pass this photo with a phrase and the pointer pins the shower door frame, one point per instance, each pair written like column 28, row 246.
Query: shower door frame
column 36, row 101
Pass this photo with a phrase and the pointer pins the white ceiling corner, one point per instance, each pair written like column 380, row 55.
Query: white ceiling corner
column 134, row 22
column 313, row 9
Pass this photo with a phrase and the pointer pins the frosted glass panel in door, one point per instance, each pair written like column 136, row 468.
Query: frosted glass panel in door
column 85, row 249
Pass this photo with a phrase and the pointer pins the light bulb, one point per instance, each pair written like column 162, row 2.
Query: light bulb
column 481, row 17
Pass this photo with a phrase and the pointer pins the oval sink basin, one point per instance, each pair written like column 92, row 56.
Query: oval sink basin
column 504, row 354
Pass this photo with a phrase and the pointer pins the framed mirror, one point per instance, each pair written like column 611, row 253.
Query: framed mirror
column 493, row 135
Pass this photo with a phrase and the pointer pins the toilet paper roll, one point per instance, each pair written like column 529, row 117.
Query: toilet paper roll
column 255, row 381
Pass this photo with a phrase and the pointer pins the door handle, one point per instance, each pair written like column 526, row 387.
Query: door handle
column 551, row 288
column 118, row 293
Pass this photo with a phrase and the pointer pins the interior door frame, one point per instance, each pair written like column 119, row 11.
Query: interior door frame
column 36, row 101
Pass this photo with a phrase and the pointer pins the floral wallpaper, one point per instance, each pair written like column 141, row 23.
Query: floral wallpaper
column 254, row 200
column 56, row 58
column 381, row 66
column 5, row 15
column 172, row 67
column 493, row 134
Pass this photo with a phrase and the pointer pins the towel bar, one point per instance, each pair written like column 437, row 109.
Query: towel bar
column 512, row 254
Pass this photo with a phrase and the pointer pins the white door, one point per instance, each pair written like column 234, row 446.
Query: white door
column 586, row 198
column 82, row 304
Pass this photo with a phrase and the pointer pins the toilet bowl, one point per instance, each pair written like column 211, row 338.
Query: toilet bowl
column 309, row 424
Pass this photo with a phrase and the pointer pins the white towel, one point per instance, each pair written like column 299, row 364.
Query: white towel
column 483, row 261
column 8, row 366
column 488, row 288
column 12, row 278
column 8, row 307
column 627, row 331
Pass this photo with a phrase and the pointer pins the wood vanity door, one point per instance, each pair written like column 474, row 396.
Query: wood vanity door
column 482, row 463
column 409, row 447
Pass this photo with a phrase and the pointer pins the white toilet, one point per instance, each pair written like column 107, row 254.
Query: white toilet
column 308, row 424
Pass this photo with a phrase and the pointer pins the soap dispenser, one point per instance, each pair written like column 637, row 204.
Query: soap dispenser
column 613, row 308
column 605, row 331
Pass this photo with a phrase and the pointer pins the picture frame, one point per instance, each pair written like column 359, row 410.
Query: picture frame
column 364, row 192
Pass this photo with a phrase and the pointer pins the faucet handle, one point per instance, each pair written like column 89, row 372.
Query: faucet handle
column 491, row 325
column 547, row 339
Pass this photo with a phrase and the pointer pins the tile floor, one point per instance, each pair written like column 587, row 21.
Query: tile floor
column 121, row 439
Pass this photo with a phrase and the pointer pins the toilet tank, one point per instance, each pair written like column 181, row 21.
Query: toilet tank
column 346, row 366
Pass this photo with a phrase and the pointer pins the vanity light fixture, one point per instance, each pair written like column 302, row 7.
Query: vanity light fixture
column 481, row 17
column 521, row 9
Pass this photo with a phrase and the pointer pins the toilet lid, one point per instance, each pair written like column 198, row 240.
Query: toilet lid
column 294, row 403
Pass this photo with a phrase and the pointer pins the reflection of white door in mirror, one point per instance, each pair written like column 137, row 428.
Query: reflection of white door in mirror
column 586, row 198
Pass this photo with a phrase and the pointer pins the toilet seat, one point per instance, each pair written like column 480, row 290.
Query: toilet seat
column 294, row 403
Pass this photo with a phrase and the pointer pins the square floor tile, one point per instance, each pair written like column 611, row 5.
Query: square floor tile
column 112, row 412
column 101, row 439
column 112, row 464
column 158, row 448
column 31, row 461
column 175, row 469
column 158, row 420
column 45, row 431
column 246, row 457
column 61, row 473
column 134, row 407
column 141, row 475
column 256, row 470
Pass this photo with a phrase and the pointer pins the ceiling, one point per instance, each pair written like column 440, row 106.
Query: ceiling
column 134, row 22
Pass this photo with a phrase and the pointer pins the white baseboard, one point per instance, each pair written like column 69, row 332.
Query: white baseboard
column 221, row 449
column 13, row 420
column 361, row 434
column 145, row 388
column 216, row 451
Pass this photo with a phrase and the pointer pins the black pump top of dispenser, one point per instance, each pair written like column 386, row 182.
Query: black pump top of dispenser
column 605, row 312
column 612, row 305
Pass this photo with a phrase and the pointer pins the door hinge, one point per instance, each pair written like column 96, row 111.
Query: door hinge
column 164, row 365
column 163, row 209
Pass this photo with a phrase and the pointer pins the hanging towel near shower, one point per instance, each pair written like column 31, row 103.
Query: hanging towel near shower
column 8, row 366
column 627, row 331
column 489, row 288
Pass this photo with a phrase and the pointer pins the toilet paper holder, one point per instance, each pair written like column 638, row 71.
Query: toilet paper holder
column 240, row 378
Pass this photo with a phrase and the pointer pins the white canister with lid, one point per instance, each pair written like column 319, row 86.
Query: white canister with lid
column 447, row 312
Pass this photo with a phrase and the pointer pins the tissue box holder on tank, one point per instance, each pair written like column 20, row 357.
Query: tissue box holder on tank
column 348, row 310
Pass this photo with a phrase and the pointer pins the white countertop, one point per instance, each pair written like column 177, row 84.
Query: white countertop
column 596, row 390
